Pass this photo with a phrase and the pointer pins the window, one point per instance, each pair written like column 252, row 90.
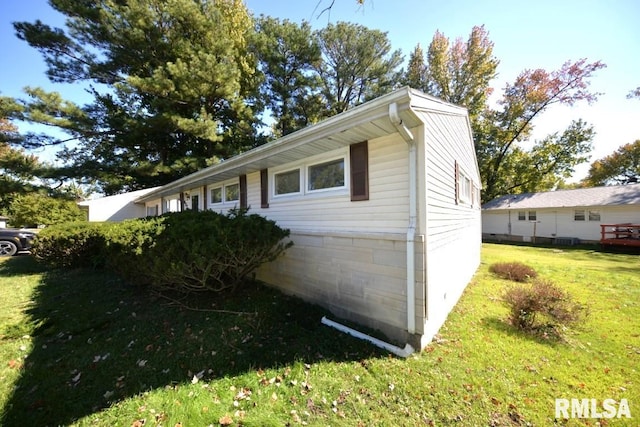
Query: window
column 522, row 215
column 287, row 182
column 152, row 210
column 216, row 195
column 464, row 186
column 195, row 202
column 578, row 215
column 326, row 175
column 231, row 192
column 532, row 215
column 594, row 215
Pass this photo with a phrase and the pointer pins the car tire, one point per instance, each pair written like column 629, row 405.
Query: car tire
column 8, row 248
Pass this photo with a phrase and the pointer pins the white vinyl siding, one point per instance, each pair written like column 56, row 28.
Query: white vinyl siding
column 453, row 230
column 332, row 209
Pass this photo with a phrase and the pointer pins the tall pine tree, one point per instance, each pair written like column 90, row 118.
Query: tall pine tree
column 172, row 87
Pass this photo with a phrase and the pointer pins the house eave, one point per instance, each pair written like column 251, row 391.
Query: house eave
column 364, row 122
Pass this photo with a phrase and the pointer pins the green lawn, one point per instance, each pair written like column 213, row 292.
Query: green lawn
column 83, row 348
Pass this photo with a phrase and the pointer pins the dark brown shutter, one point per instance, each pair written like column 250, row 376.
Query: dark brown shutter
column 264, row 188
column 243, row 192
column 359, row 155
column 205, row 203
column 457, row 182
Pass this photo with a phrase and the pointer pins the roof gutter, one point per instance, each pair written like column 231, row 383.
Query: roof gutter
column 413, row 215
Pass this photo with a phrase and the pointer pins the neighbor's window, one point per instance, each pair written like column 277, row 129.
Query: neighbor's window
column 216, row 195
column 532, row 216
column 578, row 215
column 231, row 192
column 287, row 182
column 522, row 215
column 594, row 215
column 152, row 210
column 326, row 175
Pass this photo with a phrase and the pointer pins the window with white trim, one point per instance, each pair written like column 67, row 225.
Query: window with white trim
column 578, row 215
column 594, row 215
column 317, row 175
column 215, row 195
column 533, row 216
column 287, row 182
column 522, row 216
column 326, row 175
column 224, row 193
column 231, row 192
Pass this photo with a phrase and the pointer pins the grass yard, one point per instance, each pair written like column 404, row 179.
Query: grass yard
column 82, row 348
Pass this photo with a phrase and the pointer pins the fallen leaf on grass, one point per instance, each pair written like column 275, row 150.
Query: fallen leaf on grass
column 139, row 423
column 225, row 420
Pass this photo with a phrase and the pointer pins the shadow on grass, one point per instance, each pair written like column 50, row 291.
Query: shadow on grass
column 99, row 340
column 504, row 327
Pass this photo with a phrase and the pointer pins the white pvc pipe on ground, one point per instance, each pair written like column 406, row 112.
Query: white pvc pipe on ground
column 401, row 352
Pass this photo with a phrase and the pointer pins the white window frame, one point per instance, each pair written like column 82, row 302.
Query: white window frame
column 344, row 177
column 303, row 166
column 216, row 187
column 522, row 217
column 223, row 186
column 465, row 187
column 535, row 215
column 593, row 213
column 575, row 215
column 300, row 182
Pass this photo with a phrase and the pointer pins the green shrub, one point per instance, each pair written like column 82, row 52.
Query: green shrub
column 208, row 251
column 542, row 306
column 515, row 271
column 71, row 245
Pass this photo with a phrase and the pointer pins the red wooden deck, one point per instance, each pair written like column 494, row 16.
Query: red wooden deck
column 620, row 234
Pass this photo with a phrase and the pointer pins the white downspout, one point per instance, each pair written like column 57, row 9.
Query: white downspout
column 413, row 215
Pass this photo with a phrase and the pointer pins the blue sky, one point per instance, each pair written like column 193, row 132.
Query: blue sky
column 527, row 35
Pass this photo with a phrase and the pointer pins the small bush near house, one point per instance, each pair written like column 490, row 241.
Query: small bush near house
column 71, row 245
column 515, row 271
column 542, row 307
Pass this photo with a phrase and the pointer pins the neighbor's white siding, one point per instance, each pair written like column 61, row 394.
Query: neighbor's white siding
column 116, row 208
column 552, row 223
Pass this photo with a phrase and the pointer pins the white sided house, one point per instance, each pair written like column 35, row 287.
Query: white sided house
column 116, row 208
column 563, row 216
column 382, row 202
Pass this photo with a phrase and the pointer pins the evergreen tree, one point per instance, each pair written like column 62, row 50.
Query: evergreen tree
column 289, row 54
column 358, row 65
column 172, row 85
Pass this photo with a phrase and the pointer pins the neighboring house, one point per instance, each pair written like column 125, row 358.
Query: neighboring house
column 116, row 208
column 383, row 206
column 563, row 216
column 3, row 221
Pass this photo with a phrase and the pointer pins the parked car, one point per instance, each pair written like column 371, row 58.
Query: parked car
column 13, row 241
